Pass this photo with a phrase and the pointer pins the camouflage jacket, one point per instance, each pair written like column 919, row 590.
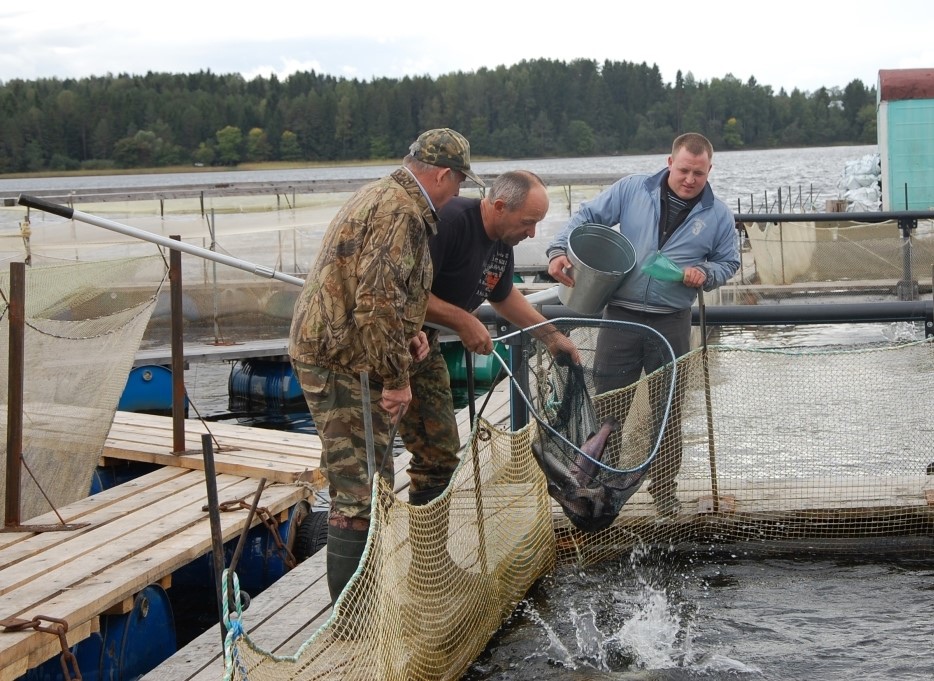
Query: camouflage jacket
column 367, row 293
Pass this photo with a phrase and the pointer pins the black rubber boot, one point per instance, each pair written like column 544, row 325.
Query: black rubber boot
column 423, row 496
column 344, row 550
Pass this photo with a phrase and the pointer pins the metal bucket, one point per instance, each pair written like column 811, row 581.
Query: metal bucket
column 601, row 258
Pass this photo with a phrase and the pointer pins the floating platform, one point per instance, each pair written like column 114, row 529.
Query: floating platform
column 140, row 532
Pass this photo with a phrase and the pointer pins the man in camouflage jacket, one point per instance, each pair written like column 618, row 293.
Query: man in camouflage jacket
column 361, row 310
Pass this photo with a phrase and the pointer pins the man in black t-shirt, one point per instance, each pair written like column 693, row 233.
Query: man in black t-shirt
column 472, row 258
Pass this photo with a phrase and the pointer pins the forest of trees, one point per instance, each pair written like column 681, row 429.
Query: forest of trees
column 537, row 108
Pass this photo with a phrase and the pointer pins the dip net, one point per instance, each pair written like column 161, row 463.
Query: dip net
column 599, row 426
column 83, row 326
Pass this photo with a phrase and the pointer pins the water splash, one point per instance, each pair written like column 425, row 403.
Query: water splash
column 641, row 625
column 651, row 636
column 555, row 649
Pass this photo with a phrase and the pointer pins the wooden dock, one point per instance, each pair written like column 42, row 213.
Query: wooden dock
column 129, row 536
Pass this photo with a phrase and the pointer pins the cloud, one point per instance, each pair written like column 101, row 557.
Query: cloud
column 806, row 45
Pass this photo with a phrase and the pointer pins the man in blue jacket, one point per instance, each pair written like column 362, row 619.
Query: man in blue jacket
column 672, row 214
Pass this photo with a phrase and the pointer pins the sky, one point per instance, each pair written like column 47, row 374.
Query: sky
column 792, row 44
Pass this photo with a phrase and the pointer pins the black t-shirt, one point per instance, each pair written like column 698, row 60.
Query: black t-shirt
column 469, row 267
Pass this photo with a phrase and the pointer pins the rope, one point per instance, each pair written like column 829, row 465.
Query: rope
column 234, row 625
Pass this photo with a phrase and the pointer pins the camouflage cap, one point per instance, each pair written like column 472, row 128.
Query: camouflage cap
column 445, row 148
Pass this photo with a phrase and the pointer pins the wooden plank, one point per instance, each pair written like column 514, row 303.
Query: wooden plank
column 109, row 507
column 240, row 450
column 78, row 511
column 76, row 556
column 203, row 352
column 298, row 599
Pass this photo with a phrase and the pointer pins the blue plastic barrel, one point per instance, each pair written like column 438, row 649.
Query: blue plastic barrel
column 148, row 390
column 262, row 386
column 127, row 646
column 261, row 563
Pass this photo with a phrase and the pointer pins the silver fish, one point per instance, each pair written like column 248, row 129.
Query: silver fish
column 584, row 467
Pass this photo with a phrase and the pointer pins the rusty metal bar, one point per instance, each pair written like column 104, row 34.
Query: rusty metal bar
column 217, row 535
column 57, row 626
column 178, row 351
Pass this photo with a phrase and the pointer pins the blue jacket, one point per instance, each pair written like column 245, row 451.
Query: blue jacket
column 707, row 239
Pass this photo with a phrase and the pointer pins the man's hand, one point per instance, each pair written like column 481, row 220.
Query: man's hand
column 694, row 277
column 476, row 337
column 556, row 270
column 419, row 346
column 558, row 343
column 395, row 402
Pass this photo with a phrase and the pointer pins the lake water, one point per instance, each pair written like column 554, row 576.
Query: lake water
column 665, row 614
column 736, row 175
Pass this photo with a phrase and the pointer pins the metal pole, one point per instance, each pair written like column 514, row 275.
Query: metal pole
column 368, row 425
column 518, row 365
column 14, row 432
column 242, row 540
column 217, row 535
column 711, row 448
column 907, row 287
column 471, row 387
column 213, row 249
column 71, row 214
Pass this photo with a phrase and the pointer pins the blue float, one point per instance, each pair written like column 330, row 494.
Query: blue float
column 262, row 386
column 261, row 563
column 148, row 390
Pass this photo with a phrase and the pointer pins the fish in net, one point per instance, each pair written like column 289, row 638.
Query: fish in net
column 600, row 422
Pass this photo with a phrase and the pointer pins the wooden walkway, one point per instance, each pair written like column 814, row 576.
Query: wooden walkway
column 130, row 536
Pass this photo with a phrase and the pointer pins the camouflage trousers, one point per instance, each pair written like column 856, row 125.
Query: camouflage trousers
column 428, row 429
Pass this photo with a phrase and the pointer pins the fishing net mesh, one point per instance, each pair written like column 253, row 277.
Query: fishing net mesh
column 221, row 304
column 436, row 581
column 780, row 450
column 872, row 256
column 83, row 325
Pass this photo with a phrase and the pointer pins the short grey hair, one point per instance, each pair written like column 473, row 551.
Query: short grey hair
column 513, row 187
column 416, row 166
